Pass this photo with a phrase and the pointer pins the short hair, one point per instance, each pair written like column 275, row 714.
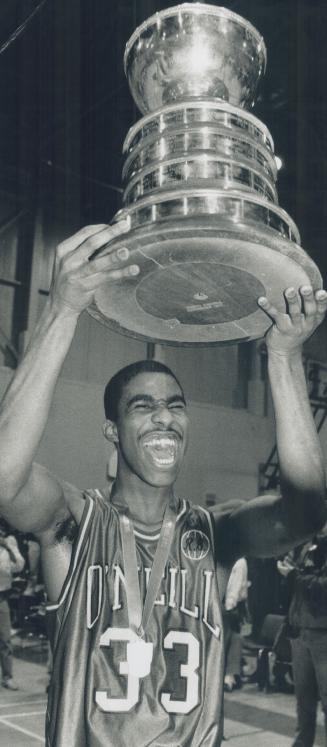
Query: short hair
column 115, row 387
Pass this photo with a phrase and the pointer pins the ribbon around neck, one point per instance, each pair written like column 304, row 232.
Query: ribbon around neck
column 138, row 618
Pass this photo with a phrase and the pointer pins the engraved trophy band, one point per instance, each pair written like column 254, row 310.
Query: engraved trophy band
column 200, row 190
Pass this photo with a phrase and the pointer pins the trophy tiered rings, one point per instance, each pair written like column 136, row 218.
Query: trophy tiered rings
column 200, row 187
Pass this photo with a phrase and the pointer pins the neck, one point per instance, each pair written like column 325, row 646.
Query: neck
column 146, row 503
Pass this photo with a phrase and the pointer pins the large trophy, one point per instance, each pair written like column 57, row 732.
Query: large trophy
column 200, row 187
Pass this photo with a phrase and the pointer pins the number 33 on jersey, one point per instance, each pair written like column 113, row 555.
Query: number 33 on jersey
column 96, row 692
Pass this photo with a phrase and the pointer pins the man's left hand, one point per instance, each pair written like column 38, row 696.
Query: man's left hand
column 304, row 311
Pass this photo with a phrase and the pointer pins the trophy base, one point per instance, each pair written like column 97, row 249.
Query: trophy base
column 199, row 281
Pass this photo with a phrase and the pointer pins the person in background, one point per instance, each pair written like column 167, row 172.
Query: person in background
column 235, row 613
column 306, row 567
column 34, row 566
column 11, row 561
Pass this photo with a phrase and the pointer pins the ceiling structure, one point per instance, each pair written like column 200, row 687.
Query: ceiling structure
column 63, row 92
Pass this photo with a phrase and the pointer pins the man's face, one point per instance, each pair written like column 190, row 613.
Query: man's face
column 152, row 428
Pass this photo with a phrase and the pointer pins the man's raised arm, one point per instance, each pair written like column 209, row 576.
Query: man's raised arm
column 30, row 497
column 270, row 525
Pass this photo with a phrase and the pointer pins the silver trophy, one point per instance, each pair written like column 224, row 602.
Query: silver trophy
column 200, row 187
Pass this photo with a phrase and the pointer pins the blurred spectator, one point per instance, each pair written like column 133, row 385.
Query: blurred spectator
column 11, row 561
column 34, row 565
column 235, row 614
column 308, row 631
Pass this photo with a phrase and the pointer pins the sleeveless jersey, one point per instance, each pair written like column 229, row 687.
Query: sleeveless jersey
column 93, row 700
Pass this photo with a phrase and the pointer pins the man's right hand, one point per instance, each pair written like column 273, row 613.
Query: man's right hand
column 31, row 498
column 76, row 278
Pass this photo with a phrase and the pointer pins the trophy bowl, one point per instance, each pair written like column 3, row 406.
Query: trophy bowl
column 200, row 196
column 194, row 51
column 205, row 257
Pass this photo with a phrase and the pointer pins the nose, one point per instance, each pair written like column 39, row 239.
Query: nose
column 162, row 415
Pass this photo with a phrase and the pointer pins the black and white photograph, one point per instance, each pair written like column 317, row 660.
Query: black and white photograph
column 163, row 373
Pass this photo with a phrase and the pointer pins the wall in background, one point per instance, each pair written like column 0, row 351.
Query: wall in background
column 226, row 445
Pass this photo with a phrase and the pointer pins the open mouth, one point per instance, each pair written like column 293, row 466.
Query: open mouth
column 162, row 448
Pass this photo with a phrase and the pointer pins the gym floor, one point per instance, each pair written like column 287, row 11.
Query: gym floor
column 252, row 718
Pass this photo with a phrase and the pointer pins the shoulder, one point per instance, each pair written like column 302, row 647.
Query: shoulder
column 67, row 525
column 192, row 515
column 222, row 524
column 79, row 503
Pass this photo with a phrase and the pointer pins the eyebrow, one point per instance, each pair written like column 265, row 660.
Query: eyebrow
column 151, row 400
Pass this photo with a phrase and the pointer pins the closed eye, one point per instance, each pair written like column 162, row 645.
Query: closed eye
column 177, row 406
column 147, row 404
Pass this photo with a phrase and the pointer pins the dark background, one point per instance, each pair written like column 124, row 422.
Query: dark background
column 66, row 107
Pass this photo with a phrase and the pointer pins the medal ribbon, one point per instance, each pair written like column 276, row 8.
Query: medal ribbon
column 138, row 618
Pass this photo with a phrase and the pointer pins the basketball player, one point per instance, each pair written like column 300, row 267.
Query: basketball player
column 135, row 597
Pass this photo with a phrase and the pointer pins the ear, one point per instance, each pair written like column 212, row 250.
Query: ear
column 110, row 431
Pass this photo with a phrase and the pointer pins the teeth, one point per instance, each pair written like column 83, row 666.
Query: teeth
column 160, row 442
column 163, row 448
column 161, row 460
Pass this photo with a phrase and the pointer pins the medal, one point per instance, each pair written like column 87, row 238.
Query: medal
column 140, row 651
column 139, row 657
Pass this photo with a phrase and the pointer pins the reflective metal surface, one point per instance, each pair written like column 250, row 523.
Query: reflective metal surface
column 194, row 51
column 242, row 210
column 204, row 113
column 200, row 188
column 196, row 171
column 201, row 274
column 206, row 140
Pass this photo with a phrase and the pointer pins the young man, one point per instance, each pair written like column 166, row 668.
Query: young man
column 138, row 635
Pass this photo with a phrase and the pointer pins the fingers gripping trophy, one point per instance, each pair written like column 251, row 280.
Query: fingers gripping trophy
column 200, row 198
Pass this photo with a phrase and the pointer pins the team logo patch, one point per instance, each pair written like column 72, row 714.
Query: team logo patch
column 195, row 544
